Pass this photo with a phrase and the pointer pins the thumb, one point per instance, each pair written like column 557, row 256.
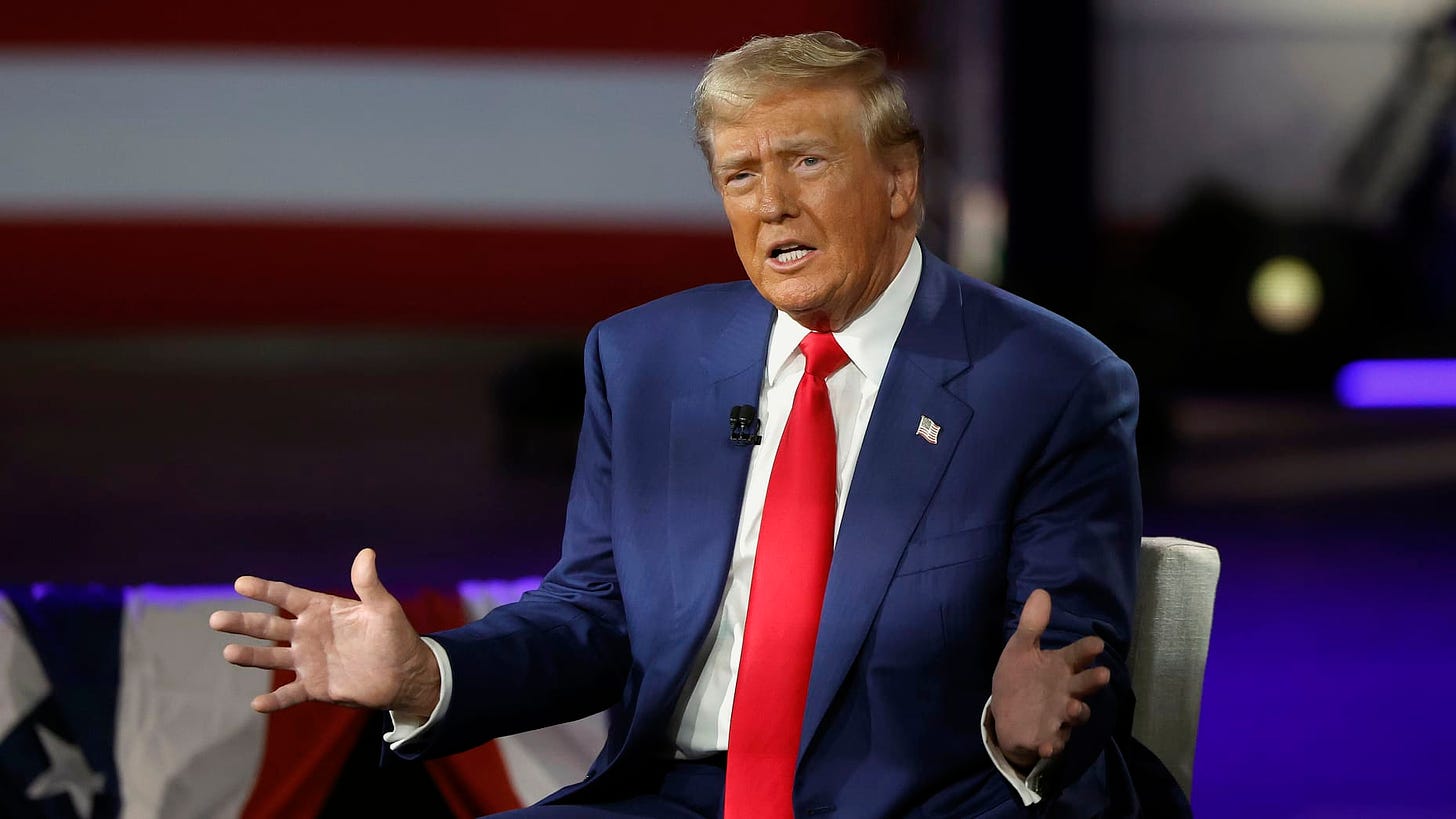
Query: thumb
column 365, row 578
column 1035, row 615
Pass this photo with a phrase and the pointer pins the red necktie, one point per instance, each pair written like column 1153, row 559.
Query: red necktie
column 790, row 569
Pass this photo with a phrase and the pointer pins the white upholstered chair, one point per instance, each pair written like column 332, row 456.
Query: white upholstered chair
column 1171, row 625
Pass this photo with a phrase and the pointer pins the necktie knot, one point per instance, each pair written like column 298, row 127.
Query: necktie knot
column 822, row 354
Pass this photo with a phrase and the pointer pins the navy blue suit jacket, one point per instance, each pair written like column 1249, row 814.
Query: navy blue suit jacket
column 1032, row 484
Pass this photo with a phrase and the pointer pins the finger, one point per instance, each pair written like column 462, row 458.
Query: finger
column 258, row 656
column 253, row 624
column 1089, row 682
column 1078, row 713
column 285, row 696
column 1056, row 745
column 1080, row 654
column 283, row 595
column 1035, row 615
column 365, row 577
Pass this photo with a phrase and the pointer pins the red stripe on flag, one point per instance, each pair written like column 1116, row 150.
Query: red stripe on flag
column 307, row 745
column 473, row 782
column 304, row 750
column 63, row 277
column 579, row 26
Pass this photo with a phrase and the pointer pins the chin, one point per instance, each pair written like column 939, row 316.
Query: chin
column 795, row 304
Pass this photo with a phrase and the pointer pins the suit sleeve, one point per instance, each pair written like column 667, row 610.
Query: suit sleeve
column 1078, row 521
column 561, row 653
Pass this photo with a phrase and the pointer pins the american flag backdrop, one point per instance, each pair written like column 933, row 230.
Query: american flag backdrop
column 166, row 164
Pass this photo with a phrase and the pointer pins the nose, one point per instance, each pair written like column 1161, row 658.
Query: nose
column 777, row 196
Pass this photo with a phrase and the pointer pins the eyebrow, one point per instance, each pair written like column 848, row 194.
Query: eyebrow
column 792, row 145
column 731, row 161
column 799, row 145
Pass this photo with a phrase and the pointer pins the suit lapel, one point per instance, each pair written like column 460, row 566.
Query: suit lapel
column 707, row 473
column 895, row 477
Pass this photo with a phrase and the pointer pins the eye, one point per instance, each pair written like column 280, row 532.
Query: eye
column 811, row 161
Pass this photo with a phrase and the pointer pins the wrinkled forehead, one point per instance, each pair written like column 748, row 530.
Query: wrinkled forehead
column 791, row 111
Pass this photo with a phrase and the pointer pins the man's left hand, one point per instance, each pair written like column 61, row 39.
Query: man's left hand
column 1038, row 697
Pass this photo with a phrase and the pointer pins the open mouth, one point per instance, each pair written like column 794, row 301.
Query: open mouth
column 790, row 253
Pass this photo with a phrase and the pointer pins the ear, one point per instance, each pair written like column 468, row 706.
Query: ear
column 904, row 168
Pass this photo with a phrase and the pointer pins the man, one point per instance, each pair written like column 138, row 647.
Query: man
column 911, row 597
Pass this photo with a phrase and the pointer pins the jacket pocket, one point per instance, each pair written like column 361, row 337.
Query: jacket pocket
column 979, row 543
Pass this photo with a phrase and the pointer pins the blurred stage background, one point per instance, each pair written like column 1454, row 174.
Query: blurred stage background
column 278, row 282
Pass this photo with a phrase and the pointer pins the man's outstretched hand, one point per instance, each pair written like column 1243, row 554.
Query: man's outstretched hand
column 360, row 653
column 1037, row 697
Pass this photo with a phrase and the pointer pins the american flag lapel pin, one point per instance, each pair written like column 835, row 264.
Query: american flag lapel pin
column 929, row 430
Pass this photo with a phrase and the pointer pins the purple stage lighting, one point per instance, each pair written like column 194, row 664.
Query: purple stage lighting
column 1410, row 382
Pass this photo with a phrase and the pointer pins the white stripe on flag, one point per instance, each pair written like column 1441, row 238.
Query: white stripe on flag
column 543, row 761
column 188, row 745
column 122, row 134
column 23, row 682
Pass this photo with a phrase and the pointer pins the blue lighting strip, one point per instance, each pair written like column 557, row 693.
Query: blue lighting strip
column 1409, row 382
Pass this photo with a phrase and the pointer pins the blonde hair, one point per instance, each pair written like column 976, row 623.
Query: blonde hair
column 767, row 65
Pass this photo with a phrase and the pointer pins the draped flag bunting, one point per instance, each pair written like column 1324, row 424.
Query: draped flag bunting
column 117, row 703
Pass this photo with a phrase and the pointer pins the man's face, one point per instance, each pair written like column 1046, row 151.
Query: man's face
column 821, row 223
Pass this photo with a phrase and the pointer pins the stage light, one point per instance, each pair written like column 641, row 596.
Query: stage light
column 1427, row 382
column 1286, row 295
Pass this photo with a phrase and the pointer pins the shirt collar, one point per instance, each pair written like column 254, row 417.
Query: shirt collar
column 868, row 340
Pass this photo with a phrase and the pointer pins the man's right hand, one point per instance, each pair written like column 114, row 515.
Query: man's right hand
column 361, row 653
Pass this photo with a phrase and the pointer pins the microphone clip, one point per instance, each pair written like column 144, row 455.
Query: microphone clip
column 743, row 426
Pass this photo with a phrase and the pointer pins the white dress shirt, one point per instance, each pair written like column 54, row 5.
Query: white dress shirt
column 701, row 719
column 700, row 723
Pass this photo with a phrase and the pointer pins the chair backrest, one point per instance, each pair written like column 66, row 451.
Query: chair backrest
column 1171, row 625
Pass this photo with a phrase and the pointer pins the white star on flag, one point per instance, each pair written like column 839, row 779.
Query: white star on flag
column 929, row 430
column 69, row 774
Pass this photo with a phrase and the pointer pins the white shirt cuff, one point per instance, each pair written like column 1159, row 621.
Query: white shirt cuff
column 1023, row 785
column 408, row 728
